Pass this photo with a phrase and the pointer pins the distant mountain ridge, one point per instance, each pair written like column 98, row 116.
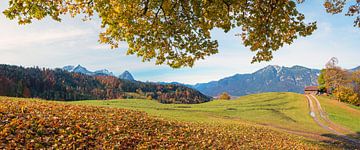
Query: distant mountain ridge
column 269, row 79
column 355, row 69
column 126, row 75
column 83, row 70
column 272, row 78
column 176, row 83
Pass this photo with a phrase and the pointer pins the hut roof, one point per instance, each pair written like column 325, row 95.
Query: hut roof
column 311, row 88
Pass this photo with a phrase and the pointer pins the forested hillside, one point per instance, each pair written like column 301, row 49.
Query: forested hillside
column 63, row 85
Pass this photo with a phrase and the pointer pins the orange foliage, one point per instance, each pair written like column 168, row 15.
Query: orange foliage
column 28, row 124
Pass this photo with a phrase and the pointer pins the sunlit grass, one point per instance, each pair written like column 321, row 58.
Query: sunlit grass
column 282, row 110
column 341, row 113
column 38, row 124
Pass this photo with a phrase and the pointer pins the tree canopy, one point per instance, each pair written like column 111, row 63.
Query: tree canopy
column 177, row 32
column 343, row 84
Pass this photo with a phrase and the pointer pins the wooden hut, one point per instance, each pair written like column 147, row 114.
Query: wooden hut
column 311, row 90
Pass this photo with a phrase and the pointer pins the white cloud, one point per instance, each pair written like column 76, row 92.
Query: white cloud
column 26, row 39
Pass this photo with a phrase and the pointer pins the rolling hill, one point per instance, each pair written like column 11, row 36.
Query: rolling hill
column 276, row 109
column 285, row 112
column 37, row 124
column 259, row 121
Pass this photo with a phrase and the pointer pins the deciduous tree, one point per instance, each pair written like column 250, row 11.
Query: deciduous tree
column 356, row 80
column 347, row 94
column 321, row 81
column 343, row 84
column 177, row 32
column 334, row 75
column 224, row 96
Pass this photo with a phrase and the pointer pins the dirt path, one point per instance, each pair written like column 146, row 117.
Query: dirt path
column 325, row 117
column 322, row 119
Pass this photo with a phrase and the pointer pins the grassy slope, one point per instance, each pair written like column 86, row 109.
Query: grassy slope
column 341, row 113
column 35, row 124
column 284, row 110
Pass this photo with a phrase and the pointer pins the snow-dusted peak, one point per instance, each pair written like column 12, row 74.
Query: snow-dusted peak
column 278, row 68
column 81, row 69
column 69, row 68
column 269, row 68
column 103, row 72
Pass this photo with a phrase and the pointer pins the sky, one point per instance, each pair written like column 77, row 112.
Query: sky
column 51, row 44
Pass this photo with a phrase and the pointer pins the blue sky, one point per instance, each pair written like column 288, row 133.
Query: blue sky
column 51, row 44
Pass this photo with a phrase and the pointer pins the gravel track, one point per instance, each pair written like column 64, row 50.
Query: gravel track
column 324, row 122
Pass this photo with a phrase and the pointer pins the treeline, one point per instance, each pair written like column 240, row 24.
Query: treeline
column 58, row 84
column 343, row 84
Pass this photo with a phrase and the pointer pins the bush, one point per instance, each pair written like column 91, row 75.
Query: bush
column 347, row 94
column 224, row 96
column 149, row 97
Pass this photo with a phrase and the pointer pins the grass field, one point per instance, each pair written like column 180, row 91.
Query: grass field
column 341, row 113
column 280, row 110
column 37, row 124
column 254, row 121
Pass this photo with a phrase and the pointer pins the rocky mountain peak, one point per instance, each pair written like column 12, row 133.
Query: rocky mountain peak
column 83, row 70
column 68, row 68
column 126, row 75
column 271, row 78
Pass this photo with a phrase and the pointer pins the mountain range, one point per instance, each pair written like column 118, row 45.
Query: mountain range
column 272, row 78
column 355, row 69
column 126, row 75
column 269, row 79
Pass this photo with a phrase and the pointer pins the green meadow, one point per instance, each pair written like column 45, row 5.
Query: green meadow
column 277, row 110
column 344, row 114
column 279, row 115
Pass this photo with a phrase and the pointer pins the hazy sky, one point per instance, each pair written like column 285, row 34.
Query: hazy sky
column 51, row 44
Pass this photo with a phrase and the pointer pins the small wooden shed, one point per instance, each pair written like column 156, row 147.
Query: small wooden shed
column 311, row 90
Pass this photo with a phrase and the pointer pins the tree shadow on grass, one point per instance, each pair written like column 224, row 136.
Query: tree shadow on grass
column 275, row 111
column 349, row 141
column 278, row 97
column 267, row 105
